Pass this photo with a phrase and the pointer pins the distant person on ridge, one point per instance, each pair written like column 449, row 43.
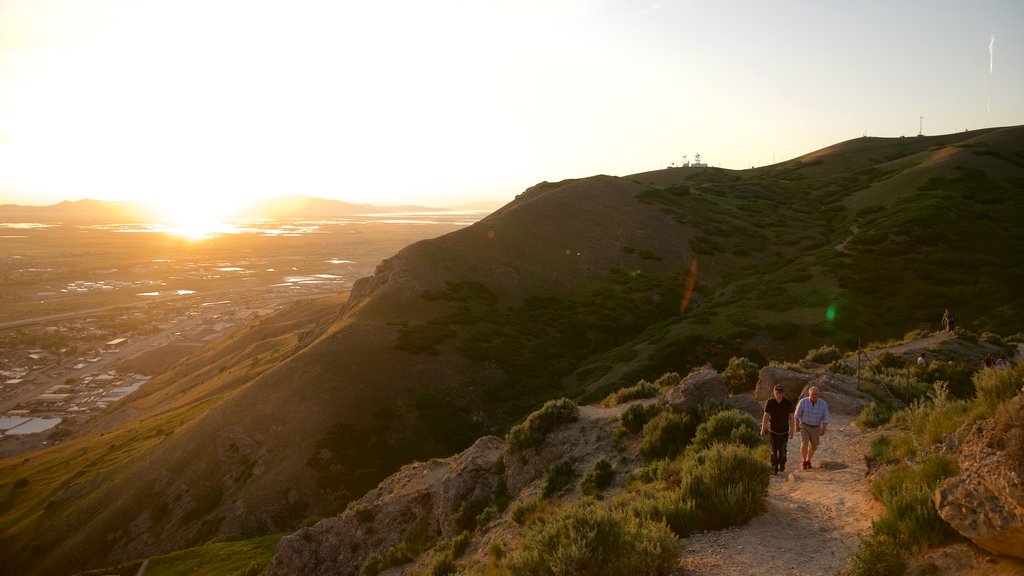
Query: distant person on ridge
column 811, row 421
column 947, row 321
column 778, row 419
column 921, row 361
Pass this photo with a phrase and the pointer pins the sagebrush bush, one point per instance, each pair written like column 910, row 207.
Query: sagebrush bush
column 994, row 386
column 587, row 538
column 537, row 425
column 708, row 408
column 666, row 435
column 728, row 481
column 930, row 421
column 906, row 491
column 642, row 389
column 668, row 380
column 670, row 507
column 559, row 476
column 727, row 427
column 740, row 375
column 873, row 415
column 598, row 478
column 877, row 556
column 824, row 355
column 637, row 416
column 887, row 449
column 840, row 367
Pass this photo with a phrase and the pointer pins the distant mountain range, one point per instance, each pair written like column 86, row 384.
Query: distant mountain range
column 574, row 289
column 289, row 206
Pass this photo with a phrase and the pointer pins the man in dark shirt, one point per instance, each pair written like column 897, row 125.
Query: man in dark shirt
column 778, row 420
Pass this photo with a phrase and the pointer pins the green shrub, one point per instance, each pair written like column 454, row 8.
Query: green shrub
column 670, row 507
column 667, row 380
column 740, row 375
column 874, row 415
column 523, row 511
column 887, row 449
column 889, row 360
column 993, row 387
column 727, row 427
column 729, row 483
column 442, row 557
column 840, row 367
column 637, row 416
column 709, row 408
column 560, row 475
column 642, row 389
column 877, row 556
column 537, row 425
column 666, row 435
column 930, row 421
column 824, row 355
column 598, row 478
column 586, row 538
column 910, row 517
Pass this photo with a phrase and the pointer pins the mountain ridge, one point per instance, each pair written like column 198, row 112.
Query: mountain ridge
column 573, row 289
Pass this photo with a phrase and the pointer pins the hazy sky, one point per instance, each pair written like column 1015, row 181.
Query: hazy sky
column 197, row 102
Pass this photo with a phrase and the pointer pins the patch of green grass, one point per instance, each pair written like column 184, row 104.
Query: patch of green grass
column 219, row 559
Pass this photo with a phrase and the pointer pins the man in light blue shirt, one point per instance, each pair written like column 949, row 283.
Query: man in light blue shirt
column 811, row 420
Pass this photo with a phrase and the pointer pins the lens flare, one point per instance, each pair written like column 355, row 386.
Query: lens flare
column 830, row 314
column 691, row 281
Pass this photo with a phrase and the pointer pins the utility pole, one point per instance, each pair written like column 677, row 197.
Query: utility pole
column 920, row 125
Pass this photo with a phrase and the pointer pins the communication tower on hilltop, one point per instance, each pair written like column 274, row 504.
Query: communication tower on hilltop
column 697, row 163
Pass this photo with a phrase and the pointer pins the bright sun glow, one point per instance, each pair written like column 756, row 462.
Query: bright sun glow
column 192, row 219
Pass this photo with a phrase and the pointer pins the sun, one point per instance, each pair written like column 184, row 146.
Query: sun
column 194, row 219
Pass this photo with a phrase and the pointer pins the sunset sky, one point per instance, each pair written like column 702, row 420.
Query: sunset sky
column 195, row 104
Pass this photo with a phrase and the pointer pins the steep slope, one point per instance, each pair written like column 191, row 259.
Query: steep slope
column 574, row 289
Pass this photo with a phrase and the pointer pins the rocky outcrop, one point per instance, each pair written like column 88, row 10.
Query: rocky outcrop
column 794, row 382
column 697, row 388
column 985, row 502
column 839, row 391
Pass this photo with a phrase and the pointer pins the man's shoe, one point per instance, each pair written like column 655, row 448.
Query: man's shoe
column 807, row 465
column 782, row 467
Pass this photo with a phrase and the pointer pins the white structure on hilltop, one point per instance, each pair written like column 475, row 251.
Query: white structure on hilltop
column 695, row 164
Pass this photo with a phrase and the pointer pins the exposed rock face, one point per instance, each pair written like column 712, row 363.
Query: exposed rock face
column 794, row 382
column 696, row 389
column 430, row 501
column 425, row 496
column 985, row 502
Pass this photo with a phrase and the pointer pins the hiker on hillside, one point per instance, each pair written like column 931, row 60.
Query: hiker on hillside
column 921, row 361
column 811, row 421
column 778, row 419
column 947, row 321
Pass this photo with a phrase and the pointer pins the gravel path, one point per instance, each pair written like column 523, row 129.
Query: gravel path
column 813, row 521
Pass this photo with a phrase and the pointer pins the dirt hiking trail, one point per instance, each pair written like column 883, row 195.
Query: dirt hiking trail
column 813, row 519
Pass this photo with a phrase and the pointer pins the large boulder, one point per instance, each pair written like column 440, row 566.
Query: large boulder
column 697, row 388
column 794, row 382
column 985, row 502
column 840, row 392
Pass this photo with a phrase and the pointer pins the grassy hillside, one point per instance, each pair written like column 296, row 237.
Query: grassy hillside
column 573, row 289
